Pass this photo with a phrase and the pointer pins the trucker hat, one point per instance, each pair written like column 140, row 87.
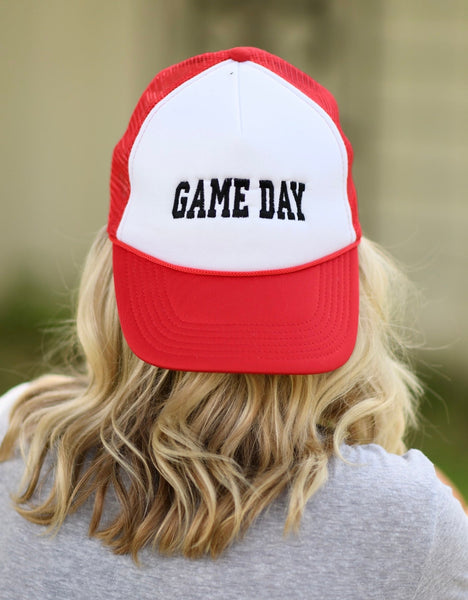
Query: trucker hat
column 234, row 222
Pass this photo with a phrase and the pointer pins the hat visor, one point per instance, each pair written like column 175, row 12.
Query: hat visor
column 296, row 322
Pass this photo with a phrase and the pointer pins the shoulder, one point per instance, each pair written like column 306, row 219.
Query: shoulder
column 398, row 509
column 6, row 404
column 401, row 484
column 371, row 463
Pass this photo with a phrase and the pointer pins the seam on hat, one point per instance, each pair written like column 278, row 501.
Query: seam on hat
column 214, row 272
column 239, row 106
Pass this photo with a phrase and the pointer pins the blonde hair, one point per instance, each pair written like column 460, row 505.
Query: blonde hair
column 193, row 458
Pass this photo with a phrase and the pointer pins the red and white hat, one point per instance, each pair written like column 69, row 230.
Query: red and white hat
column 234, row 222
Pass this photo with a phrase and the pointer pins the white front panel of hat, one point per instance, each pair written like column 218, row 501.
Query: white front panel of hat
column 237, row 170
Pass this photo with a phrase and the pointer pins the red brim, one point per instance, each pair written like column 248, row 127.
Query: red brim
column 297, row 322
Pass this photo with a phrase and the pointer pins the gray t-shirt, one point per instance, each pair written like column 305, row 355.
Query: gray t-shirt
column 381, row 528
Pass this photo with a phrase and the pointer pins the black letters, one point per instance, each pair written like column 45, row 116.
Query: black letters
column 240, row 197
column 267, row 189
column 198, row 202
column 272, row 202
column 220, row 195
column 284, row 203
column 298, row 198
column 177, row 212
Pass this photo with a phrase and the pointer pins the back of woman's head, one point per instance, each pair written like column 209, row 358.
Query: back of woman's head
column 231, row 262
column 192, row 458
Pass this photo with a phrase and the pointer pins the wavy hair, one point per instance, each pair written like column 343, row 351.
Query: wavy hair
column 191, row 459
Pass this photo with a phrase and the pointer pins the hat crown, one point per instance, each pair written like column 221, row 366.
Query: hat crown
column 234, row 220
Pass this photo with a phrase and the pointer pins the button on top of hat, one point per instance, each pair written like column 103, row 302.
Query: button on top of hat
column 240, row 54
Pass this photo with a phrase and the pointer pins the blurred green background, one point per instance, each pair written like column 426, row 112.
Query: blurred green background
column 73, row 71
